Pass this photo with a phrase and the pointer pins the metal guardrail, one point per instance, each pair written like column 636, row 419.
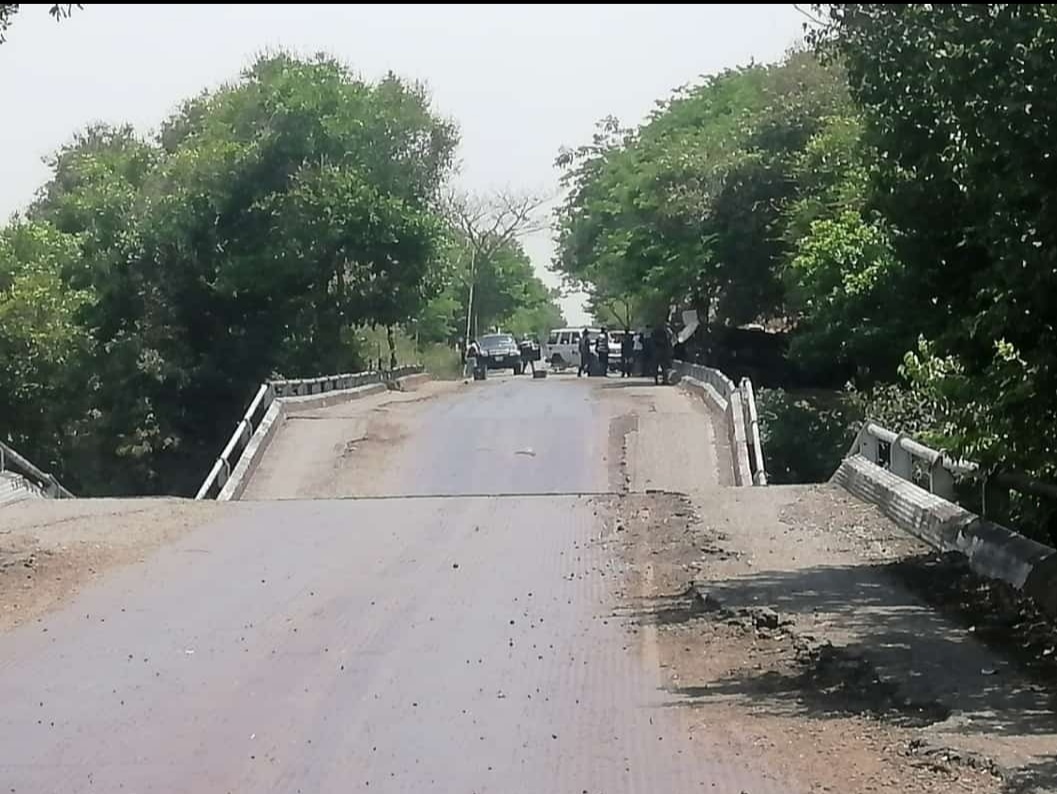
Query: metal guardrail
column 46, row 482
column 938, row 472
column 267, row 394
column 741, row 409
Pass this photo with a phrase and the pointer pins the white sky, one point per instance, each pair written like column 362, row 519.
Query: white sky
column 521, row 80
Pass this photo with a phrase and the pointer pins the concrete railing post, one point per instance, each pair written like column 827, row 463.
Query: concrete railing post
column 941, row 481
column 739, row 446
column 869, row 445
column 900, row 461
column 752, row 432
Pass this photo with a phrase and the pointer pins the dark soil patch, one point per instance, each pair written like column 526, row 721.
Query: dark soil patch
column 995, row 612
column 847, row 682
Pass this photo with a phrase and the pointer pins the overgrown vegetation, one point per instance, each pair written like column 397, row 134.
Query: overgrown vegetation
column 288, row 223
column 887, row 197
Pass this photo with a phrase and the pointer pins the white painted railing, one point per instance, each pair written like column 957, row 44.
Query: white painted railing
column 268, row 392
column 739, row 406
column 937, row 471
column 45, row 482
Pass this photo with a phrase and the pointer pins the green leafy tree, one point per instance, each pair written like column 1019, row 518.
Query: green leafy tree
column 692, row 206
column 488, row 228
column 40, row 338
column 271, row 219
column 846, row 282
column 958, row 101
column 508, row 294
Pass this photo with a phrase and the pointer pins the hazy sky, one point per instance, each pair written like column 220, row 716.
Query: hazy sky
column 521, row 80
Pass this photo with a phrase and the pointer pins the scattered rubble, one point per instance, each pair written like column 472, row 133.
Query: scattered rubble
column 996, row 613
column 797, row 698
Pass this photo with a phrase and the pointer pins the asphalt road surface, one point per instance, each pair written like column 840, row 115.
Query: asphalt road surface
column 432, row 638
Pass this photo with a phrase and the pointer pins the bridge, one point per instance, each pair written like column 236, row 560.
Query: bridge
column 395, row 584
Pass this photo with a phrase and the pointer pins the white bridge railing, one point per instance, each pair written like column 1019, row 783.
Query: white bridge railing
column 268, row 392
column 938, row 472
column 739, row 405
column 41, row 480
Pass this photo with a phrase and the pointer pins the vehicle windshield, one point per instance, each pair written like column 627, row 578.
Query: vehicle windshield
column 495, row 341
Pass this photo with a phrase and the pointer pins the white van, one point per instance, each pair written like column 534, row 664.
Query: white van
column 563, row 346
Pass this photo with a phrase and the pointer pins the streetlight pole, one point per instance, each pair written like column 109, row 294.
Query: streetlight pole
column 469, row 302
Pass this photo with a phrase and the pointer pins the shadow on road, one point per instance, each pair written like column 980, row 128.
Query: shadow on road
column 1031, row 778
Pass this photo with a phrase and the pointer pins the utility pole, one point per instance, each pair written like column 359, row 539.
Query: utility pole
column 469, row 301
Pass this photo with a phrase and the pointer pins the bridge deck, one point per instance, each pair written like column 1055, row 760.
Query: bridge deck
column 491, row 587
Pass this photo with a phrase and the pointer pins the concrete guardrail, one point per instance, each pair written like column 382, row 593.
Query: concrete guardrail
column 738, row 406
column 914, row 485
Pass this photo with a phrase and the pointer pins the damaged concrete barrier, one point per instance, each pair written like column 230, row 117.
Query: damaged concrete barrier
column 992, row 550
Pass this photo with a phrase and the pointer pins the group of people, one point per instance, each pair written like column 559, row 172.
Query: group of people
column 650, row 354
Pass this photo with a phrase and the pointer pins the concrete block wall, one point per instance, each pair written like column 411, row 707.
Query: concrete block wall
column 992, row 550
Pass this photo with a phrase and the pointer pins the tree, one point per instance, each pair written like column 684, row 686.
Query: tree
column 269, row 220
column 58, row 11
column 628, row 310
column 508, row 294
column 958, row 101
column 846, row 280
column 40, row 338
column 691, row 207
column 488, row 225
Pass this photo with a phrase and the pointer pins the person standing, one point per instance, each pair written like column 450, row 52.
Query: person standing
column 662, row 354
column 585, row 355
column 473, row 352
column 639, row 353
column 602, row 349
column 525, row 348
column 627, row 353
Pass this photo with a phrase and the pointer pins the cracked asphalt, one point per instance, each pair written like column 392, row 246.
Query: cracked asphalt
column 421, row 637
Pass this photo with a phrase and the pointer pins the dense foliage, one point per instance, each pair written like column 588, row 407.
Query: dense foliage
column 154, row 282
column 887, row 198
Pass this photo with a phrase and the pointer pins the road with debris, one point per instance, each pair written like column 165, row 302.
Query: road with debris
column 470, row 588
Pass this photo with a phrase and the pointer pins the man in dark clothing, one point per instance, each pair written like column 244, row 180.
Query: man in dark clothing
column 528, row 354
column 602, row 349
column 662, row 354
column 585, row 355
column 649, row 355
column 627, row 351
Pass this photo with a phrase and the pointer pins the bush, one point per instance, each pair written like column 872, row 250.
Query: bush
column 805, row 435
column 899, row 409
column 441, row 361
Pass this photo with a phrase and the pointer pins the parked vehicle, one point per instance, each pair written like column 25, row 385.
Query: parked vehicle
column 500, row 351
column 563, row 346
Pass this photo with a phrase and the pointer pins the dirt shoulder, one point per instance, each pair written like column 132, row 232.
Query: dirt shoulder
column 785, row 626
column 51, row 549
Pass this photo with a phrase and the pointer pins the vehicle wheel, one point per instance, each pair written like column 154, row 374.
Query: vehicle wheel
column 557, row 361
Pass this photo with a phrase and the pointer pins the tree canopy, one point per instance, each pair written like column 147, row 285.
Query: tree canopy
column 886, row 196
column 155, row 280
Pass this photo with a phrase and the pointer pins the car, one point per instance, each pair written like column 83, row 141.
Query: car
column 563, row 347
column 501, row 351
